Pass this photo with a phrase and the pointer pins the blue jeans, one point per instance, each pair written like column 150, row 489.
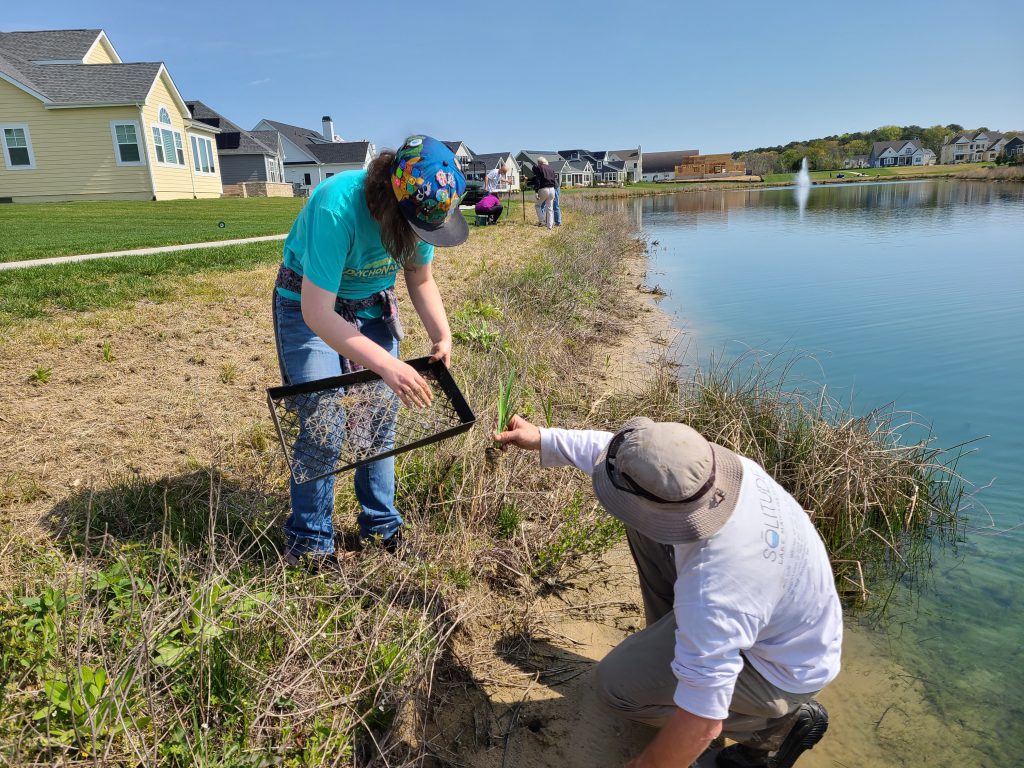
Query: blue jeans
column 304, row 356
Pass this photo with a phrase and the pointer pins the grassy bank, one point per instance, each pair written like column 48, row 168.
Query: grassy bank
column 862, row 174
column 145, row 617
column 38, row 230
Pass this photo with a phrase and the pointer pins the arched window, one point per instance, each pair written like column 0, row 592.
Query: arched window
column 167, row 142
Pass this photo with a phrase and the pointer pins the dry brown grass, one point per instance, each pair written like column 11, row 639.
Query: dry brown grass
column 143, row 498
column 999, row 173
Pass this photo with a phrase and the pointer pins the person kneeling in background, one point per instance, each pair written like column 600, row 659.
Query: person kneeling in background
column 744, row 625
column 489, row 206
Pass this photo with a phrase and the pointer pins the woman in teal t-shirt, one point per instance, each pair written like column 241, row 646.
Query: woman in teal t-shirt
column 335, row 309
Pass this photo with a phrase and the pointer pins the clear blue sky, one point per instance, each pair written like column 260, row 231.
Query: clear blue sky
column 714, row 76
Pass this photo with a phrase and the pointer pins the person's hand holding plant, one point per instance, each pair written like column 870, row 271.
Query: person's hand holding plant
column 520, row 433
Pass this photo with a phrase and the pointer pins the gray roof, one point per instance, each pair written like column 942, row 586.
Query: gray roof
column 579, row 165
column 339, row 151
column 233, row 140
column 664, row 162
column 85, row 84
column 296, row 134
column 491, row 159
column 50, row 44
column 880, row 146
column 629, row 154
column 533, row 154
column 454, row 147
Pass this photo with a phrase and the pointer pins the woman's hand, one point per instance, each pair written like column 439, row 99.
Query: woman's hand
column 411, row 388
column 520, row 433
column 442, row 350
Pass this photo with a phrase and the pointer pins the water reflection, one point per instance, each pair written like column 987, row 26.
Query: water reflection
column 856, row 198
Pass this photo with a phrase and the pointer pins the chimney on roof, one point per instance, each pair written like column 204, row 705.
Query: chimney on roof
column 328, row 124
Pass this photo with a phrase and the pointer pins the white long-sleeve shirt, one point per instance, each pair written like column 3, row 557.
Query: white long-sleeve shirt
column 762, row 585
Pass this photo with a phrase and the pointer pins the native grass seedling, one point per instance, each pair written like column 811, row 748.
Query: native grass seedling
column 41, row 375
column 549, row 411
column 508, row 401
column 108, row 352
column 509, row 520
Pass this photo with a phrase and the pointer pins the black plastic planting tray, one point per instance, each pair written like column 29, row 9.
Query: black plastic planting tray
column 332, row 425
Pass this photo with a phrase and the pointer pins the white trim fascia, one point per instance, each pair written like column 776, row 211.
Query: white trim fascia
column 87, row 105
column 28, row 142
column 103, row 36
column 21, row 86
column 117, row 147
column 175, row 93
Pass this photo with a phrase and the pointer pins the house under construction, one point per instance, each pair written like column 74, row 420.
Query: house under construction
column 699, row 166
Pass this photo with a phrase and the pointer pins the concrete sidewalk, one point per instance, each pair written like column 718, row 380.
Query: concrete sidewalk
column 137, row 252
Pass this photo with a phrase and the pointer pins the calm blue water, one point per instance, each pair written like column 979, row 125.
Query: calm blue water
column 910, row 293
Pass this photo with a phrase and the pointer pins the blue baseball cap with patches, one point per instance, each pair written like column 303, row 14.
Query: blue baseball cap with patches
column 429, row 185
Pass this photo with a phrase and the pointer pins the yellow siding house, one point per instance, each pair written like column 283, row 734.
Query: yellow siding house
column 76, row 123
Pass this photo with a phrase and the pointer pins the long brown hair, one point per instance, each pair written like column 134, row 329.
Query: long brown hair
column 396, row 235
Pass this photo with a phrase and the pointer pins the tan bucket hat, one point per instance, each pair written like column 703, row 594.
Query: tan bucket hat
column 667, row 481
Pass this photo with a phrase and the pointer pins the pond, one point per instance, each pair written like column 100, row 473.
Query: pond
column 907, row 293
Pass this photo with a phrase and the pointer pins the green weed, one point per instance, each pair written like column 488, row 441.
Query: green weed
column 41, row 375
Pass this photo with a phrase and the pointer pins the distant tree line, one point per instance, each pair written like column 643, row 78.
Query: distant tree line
column 831, row 151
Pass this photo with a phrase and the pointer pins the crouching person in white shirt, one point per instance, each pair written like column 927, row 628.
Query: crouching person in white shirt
column 744, row 625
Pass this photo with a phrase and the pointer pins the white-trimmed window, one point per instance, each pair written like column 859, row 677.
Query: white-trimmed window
column 167, row 142
column 127, row 142
column 202, row 156
column 17, row 145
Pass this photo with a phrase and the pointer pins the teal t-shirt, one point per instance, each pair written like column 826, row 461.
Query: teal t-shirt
column 335, row 242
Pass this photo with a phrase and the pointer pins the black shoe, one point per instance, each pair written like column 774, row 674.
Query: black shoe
column 811, row 724
column 394, row 545
column 315, row 562
column 740, row 756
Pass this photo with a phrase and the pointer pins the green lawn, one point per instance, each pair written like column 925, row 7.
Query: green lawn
column 35, row 292
column 926, row 170
column 38, row 230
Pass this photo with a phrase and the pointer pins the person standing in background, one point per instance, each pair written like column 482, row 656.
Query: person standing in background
column 545, row 184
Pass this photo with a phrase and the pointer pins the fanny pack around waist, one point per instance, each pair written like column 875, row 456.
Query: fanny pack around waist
column 290, row 280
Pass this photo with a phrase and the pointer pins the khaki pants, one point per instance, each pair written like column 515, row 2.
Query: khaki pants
column 545, row 206
column 635, row 679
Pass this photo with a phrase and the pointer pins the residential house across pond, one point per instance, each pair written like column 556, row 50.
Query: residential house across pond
column 973, row 147
column 78, row 123
column 889, row 154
